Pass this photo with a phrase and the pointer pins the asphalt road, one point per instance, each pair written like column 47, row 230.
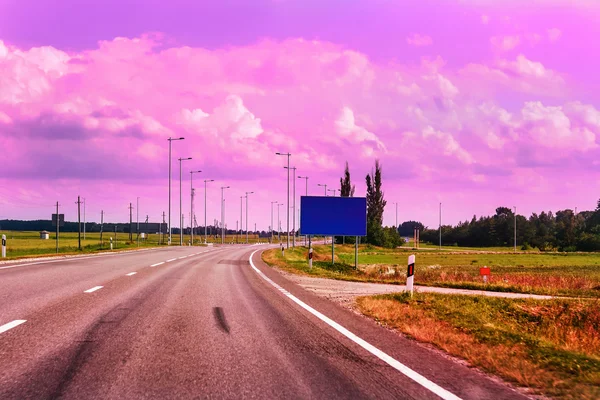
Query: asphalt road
column 206, row 324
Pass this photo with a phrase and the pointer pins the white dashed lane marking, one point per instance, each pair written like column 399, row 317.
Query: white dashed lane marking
column 93, row 289
column 160, row 263
column 131, row 273
column 11, row 325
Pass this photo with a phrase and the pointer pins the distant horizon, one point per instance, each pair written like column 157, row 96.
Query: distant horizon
column 471, row 104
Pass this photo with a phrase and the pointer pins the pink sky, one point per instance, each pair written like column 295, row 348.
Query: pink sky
column 474, row 103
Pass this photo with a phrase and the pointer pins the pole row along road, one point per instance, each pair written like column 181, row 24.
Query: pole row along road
column 197, row 322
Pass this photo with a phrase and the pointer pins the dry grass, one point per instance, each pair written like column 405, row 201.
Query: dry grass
column 551, row 347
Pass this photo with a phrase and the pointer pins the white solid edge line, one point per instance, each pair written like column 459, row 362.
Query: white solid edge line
column 415, row 376
column 172, row 259
column 131, row 273
column 93, row 289
column 157, row 264
column 11, row 325
column 76, row 258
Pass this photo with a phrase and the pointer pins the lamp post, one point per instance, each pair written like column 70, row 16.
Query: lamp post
column 180, row 203
column 192, row 203
column 294, row 204
column 205, row 229
column 319, row 184
column 278, row 223
column 288, row 196
column 272, row 227
column 170, row 140
column 241, row 216
column 247, row 193
column 223, row 213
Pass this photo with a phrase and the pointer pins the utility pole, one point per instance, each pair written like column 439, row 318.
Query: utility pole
column 84, row 218
column 101, row 227
column 137, row 219
column 306, row 194
column 79, row 221
column 223, row 213
column 242, row 216
column 192, row 195
column 515, row 229
column 440, row 225
column 57, row 226
column 278, row 223
column 162, row 239
column 147, row 216
column 294, row 206
column 130, row 222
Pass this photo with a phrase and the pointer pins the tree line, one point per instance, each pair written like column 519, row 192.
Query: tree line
column 564, row 230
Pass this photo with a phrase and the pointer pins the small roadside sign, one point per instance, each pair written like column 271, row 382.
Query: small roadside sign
column 485, row 272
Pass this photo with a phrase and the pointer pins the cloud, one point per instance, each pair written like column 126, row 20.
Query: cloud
column 448, row 145
column 485, row 19
column 505, row 43
column 418, row 40
column 348, row 129
column 554, row 34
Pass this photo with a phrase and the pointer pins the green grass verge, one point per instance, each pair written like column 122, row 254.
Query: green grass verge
column 559, row 274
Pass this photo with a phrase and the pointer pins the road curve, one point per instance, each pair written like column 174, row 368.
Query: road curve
column 198, row 323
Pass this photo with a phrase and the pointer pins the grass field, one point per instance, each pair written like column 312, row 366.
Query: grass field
column 569, row 274
column 24, row 244
column 552, row 347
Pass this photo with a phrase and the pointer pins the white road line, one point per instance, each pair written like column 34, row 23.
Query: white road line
column 11, row 325
column 415, row 376
column 172, row 259
column 77, row 258
column 160, row 263
column 181, row 258
column 131, row 273
column 93, row 289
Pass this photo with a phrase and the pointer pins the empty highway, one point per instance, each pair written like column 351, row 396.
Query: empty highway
column 202, row 322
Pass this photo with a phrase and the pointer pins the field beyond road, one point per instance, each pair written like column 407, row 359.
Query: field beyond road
column 549, row 346
column 561, row 274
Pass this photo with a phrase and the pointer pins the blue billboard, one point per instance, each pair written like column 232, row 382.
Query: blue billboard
column 333, row 216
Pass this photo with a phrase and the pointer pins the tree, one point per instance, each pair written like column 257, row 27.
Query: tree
column 375, row 206
column 346, row 186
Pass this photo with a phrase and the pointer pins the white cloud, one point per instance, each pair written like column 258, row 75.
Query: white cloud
column 446, row 87
column 485, row 19
column 348, row 129
column 448, row 144
column 554, row 34
column 505, row 43
column 419, row 40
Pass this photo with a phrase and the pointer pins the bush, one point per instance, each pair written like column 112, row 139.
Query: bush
column 526, row 246
column 588, row 242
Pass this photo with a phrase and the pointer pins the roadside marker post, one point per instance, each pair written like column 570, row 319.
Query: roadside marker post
column 3, row 246
column 485, row 272
column 310, row 257
column 410, row 274
column 111, row 243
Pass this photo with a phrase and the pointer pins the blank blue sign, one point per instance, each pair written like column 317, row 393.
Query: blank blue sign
column 333, row 216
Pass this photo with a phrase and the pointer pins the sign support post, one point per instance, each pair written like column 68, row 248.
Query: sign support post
column 356, row 253
column 410, row 274
column 3, row 246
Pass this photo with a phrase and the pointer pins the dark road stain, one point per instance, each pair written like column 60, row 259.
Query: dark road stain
column 220, row 317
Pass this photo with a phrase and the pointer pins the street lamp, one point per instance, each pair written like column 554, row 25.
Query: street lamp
column 205, row 229
column 192, row 203
column 241, row 217
column 440, row 225
column 247, row 193
column 170, row 140
column 318, row 184
column 396, row 215
column 279, row 222
column 288, row 196
column 223, row 213
column 294, row 205
column 272, row 227
column 180, row 203
column 333, row 190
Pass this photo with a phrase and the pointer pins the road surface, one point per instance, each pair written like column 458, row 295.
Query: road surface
column 200, row 322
